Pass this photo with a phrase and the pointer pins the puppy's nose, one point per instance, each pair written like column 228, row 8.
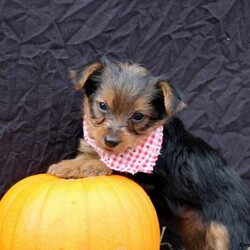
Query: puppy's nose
column 111, row 141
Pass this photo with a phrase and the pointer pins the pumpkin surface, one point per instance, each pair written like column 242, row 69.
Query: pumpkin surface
column 44, row 212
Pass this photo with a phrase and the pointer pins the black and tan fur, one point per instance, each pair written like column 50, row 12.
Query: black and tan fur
column 123, row 104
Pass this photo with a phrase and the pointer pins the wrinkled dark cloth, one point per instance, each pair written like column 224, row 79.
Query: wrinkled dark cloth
column 202, row 47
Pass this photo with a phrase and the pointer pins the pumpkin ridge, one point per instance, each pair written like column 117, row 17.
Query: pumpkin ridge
column 83, row 184
column 100, row 197
column 109, row 183
column 49, row 188
column 14, row 194
column 151, row 212
column 133, row 187
column 144, row 198
column 115, row 180
column 21, row 207
column 13, row 191
column 6, row 209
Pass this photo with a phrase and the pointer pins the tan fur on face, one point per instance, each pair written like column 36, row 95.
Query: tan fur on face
column 128, row 140
column 126, row 89
column 123, row 104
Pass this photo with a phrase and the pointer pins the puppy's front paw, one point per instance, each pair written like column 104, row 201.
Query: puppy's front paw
column 94, row 168
column 73, row 169
column 65, row 169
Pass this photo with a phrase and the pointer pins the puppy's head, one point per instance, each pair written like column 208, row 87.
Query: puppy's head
column 124, row 103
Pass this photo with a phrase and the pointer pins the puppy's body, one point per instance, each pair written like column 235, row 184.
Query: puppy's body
column 202, row 191
column 123, row 104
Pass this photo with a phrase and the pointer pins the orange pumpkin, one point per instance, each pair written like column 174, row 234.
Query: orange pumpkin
column 102, row 213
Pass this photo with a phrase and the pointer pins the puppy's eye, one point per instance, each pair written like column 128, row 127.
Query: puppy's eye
column 137, row 117
column 102, row 106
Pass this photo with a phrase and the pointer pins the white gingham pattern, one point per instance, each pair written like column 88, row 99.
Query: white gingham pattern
column 141, row 159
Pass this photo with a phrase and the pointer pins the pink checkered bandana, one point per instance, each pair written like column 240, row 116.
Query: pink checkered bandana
column 140, row 159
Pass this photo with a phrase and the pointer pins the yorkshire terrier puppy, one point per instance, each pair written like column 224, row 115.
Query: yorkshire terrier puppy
column 124, row 106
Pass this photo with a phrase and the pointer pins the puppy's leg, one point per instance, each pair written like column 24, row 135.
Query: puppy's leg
column 217, row 237
column 193, row 232
column 197, row 236
column 86, row 164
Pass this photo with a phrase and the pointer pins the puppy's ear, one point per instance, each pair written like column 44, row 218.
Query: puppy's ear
column 81, row 78
column 173, row 100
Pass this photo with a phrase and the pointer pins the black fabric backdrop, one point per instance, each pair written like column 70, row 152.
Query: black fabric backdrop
column 201, row 46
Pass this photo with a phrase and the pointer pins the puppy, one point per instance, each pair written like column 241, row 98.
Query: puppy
column 123, row 106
